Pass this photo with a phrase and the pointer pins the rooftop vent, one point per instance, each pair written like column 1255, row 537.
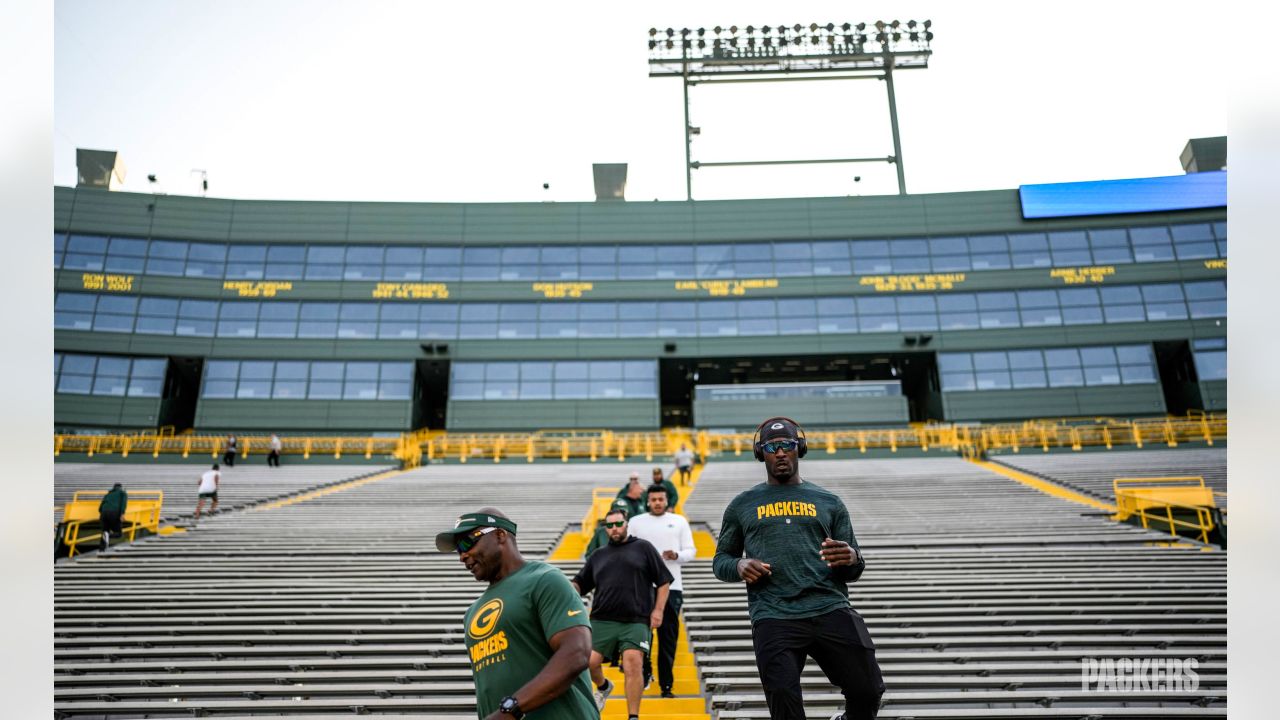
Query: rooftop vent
column 1205, row 154
column 99, row 168
column 611, row 180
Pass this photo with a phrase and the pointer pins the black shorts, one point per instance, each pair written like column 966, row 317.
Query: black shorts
column 212, row 496
column 111, row 523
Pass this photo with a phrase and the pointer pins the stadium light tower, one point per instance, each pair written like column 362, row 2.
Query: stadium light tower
column 790, row 53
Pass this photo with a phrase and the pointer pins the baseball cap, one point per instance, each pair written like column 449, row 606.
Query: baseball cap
column 468, row 522
column 779, row 428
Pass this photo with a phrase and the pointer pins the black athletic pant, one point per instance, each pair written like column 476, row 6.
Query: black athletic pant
column 273, row 459
column 842, row 647
column 668, row 636
column 229, row 458
column 111, row 523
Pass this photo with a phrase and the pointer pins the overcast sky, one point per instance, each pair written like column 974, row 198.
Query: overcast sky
column 485, row 102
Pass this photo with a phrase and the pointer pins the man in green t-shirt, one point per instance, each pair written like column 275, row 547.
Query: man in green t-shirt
column 528, row 637
column 792, row 542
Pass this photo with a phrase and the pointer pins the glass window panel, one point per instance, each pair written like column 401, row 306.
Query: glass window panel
column 219, row 389
column 145, row 387
column 1030, row 259
column 1068, row 240
column 473, row 312
column 757, row 252
column 631, row 254
column 361, row 371
column 75, row 301
column 207, row 252
column 869, row 248
column 365, row 255
column 763, row 325
column 117, row 304
column 958, row 382
column 797, row 325
column 193, row 328
column 1167, row 311
column 1211, row 290
column 1122, row 295
column 75, row 384
column 221, row 369
column 113, row 323
column 1192, row 233
column 1189, row 251
column 1066, row 377
column 447, row 312
column 1061, row 358
column 535, row 390
column 278, row 310
column 1037, row 299
column 605, row 370
column 718, row 326
column 1162, row 293
column 948, row 246
column 398, row 256
column 237, row 328
column 397, row 371
column 950, row 263
column 911, row 264
column 80, row 261
column 1076, row 297
column 713, row 253
column 160, row 266
column 1208, row 308
column 1109, row 238
column 1025, row 359
column 316, row 271
column 154, row 325
column 1028, row 242
column 468, row 372
column 327, row 370
column 872, row 305
column 79, row 364
column 198, row 268
column 1101, row 375
column 257, row 369
column 598, row 254
column 360, row 390
column 832, row 267
column 559, row 255
column 326, row 255
column 1133, row 354
column 1210, row 365
column 247, row 253
column 362, row 272
column 1062, row 258
column 789, row 252
column 517, row 329
column 958, row 320
column 518, row 311
column 638, row 328
column 1138, row 374
column 277, row 328
column 478, row 330
column 1098, row 356
column 711, row 309
column 1152, row 253
column 988, row 244
column 253, row 389
column 324, row 390
column 997, row 301
column 918, row 322
column 65, row 320
column 571, row 370
column 289, row 389
column 878, row 323
column 849, row 323
column 872, row 266
column 990, row 361
column 244, row 271
column 598, row 271
column 1039, row 317
column 108, row 365
column 168, row 249
column 1023, row 379
column 245, row 310
column 443, row 256
column 1124, row 313
column 127, row 246
column 957, row 302
column 831, row 249
column 1158, row 234
column 92, row 244
column 955, row 362
column 605, row 389
column 536, row 370
column 466, row 390
column 291, row 370
column 992, row 380
column 908, row 248
column 1112, row 256
column 198, row 309
column 441, row 273
column 394, row 390
column 570, row 389
column 916, row 304
column 502, row 371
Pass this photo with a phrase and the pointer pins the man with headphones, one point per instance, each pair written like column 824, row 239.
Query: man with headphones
column 792, row 543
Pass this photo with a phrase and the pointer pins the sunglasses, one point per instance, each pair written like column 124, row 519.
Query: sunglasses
column 468, row 541
column 619, row 523
column 773, row 446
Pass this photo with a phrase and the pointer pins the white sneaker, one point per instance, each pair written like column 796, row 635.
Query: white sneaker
column 838, row 716
column 602, row 695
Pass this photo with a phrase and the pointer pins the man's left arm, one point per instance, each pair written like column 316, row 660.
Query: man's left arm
column 571, row 651
column 687, row 549
column 840, row 551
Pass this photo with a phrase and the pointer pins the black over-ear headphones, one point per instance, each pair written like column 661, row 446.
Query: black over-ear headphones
column 802, row 443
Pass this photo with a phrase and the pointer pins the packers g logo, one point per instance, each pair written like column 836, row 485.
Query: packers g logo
column 485, row 619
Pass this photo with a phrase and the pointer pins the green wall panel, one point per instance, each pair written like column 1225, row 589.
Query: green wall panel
column 93, row 411
column 1119, row 400
column 1213, row 393
column 810, row 412
column 492, row 415
column 299, row 415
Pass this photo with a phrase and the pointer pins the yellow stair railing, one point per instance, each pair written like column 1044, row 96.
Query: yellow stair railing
column 141, row 513
column 1155, row 500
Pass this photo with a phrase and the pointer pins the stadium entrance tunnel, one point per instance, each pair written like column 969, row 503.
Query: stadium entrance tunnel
column 911, row 379
column 430, row 392
column 180, row 393
column 1178, row 377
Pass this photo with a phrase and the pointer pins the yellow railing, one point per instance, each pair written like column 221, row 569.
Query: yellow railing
column 142, row 513
column 601, row 500
column 413, row 448
column 1154, row 500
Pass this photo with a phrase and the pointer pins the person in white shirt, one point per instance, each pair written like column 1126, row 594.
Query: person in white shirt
column 670, row 534
column 684, row 465
column 273, row 457
column 208, row 489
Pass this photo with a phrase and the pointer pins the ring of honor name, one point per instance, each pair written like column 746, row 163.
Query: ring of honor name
column 488, row 647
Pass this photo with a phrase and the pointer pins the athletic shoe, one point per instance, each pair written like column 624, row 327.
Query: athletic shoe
column 601, row 694
column 648, row 680
column 838, row 716
column 666, row 693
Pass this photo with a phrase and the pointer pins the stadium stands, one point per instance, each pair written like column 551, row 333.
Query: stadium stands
column 1092, row 473
column 982, row 595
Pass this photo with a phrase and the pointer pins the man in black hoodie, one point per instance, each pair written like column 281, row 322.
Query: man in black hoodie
column 110, row 511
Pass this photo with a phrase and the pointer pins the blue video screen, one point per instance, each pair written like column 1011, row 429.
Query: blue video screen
column 1192, row 191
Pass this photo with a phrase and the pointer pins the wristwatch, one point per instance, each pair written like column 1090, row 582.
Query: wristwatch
column 510, row 706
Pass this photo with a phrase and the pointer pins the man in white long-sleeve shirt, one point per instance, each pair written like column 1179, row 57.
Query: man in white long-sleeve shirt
column 670, row 534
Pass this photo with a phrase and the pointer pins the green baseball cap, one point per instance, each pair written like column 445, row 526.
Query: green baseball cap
column 446, row 541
